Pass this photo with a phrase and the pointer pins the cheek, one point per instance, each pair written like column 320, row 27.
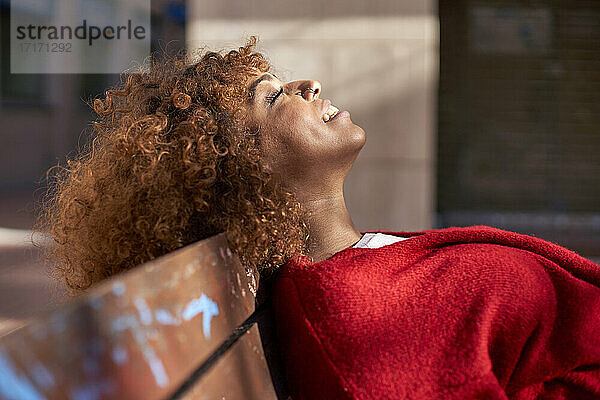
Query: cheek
column 285, row 145
column 290, row 131
column 297, row 143
column 304, row 140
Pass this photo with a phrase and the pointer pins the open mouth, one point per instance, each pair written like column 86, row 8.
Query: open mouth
column 330, row 113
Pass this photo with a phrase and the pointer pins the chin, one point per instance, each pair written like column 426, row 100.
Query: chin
column 358, row 137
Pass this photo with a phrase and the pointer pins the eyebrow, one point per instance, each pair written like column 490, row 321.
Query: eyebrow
column 254, row 84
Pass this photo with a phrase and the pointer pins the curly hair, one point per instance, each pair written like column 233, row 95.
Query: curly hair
column 172, row 161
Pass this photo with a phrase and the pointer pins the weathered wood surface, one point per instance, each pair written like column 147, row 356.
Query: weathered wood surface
column 140, row 334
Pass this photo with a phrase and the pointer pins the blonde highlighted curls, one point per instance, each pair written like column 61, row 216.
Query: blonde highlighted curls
column 171, row 162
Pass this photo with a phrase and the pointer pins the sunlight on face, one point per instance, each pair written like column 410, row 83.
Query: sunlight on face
column 303, row 137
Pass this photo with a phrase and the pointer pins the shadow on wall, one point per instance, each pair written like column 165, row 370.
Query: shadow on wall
column 26, row 289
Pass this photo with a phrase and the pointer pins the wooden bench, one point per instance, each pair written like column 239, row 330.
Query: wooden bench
column 184, row 325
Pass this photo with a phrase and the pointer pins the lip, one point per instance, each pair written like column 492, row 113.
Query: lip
column 326, row 104
column 340, row 114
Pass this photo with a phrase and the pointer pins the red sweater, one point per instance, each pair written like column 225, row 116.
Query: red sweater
column 454, row 313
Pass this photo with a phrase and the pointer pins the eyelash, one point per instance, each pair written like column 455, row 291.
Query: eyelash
column 272, row 97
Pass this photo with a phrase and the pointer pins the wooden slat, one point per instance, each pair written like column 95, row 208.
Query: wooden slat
column 140, row 334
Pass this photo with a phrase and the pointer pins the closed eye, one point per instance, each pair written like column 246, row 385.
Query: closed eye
column 273, row 97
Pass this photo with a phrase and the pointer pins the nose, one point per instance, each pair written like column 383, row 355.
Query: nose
column 309, row 89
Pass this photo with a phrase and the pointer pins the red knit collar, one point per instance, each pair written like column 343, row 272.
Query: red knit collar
column 436, row 238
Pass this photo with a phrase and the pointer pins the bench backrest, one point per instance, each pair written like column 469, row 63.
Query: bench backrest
column 143, row 333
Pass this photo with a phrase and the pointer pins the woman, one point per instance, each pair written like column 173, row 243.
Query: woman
column 184, row 152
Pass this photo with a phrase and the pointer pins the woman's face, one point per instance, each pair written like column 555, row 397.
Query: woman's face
column 296, row 142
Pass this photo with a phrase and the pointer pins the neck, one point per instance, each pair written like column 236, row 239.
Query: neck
column 330, row 227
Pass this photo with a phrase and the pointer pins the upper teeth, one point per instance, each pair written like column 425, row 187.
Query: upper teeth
column 331, row 111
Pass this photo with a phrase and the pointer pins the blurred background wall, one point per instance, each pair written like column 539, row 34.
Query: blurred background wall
column 519, row 113
column 475, row 113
